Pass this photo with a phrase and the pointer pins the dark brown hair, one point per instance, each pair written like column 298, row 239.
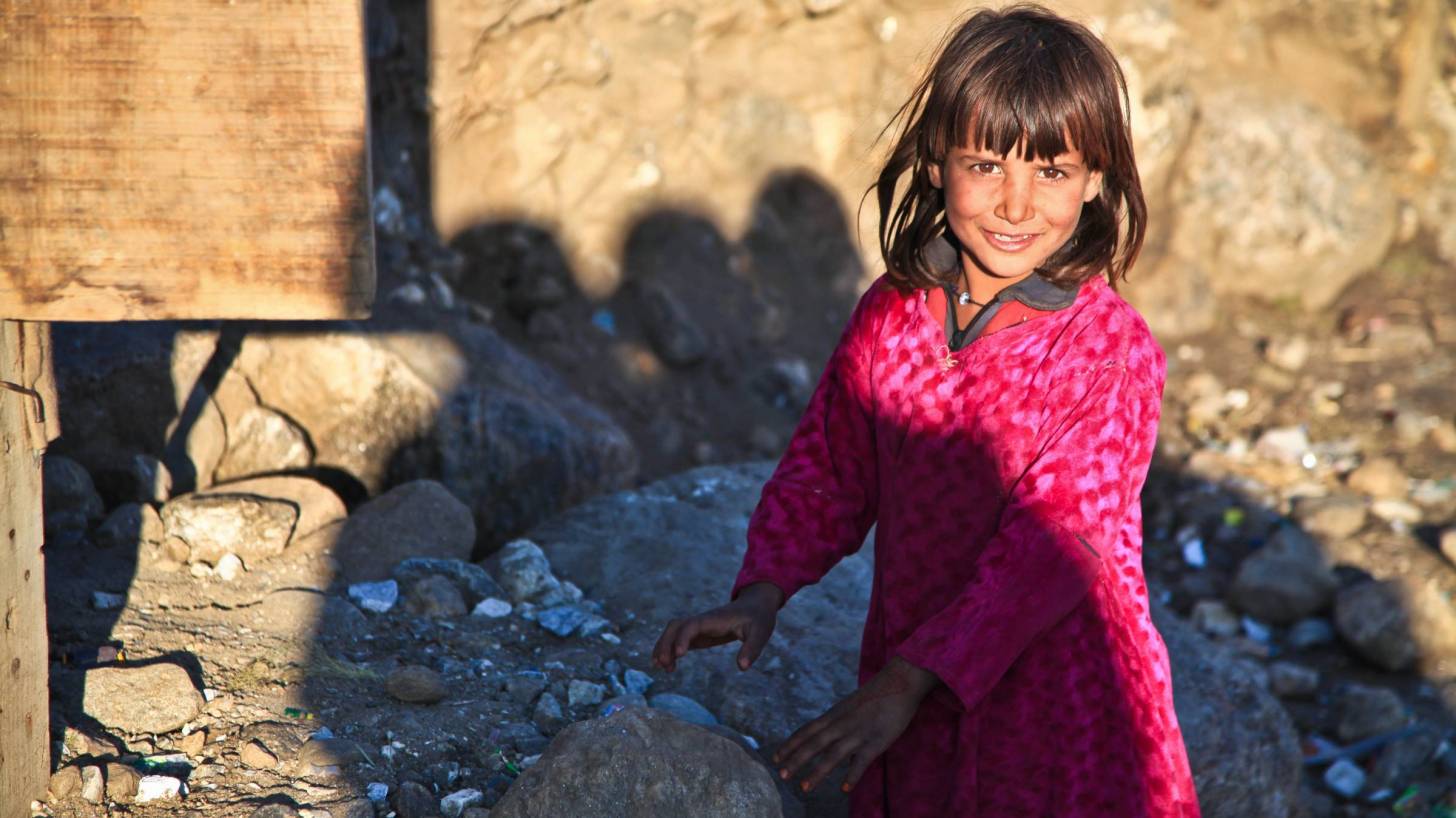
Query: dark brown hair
column 1021, row 78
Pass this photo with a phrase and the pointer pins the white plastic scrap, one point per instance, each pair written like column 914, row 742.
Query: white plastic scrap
column 1193, row 553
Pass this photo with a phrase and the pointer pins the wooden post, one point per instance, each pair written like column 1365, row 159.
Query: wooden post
column 27, row 424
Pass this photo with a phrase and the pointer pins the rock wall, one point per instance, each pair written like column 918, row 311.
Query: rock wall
column 1285, row 146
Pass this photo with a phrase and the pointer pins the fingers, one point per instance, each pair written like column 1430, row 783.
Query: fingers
column 662, row 651
column 753, row 644
column 805, row 744
column 858, row 763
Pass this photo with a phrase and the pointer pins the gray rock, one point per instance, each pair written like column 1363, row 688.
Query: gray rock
column 128, row 526
column 1214, row 618
column 1367, row 711
column 1310, row 633
column 1288, row 680
column 435, row 597
column 260, row 441
column 67, row 486
column 636, row 681
column 524, row 571
column 683, row 708
column 1400, row 760
column 418, row 519
column 1345, row 778
column 472, row 580
column 103, row 601
column 138, row 699
column 1334, row 517
column 254, row 528
column 492, row 608
column 414, row 800
column 525, row 738
column 330, row 752
column 416, row 684
column 318, row 506
column 378, row 597
column 1286, row 444
column 1242, row 747
column 673, row 333
column 1286, row 580
column 64, row 782
column 581, row 693
column 561, row 620
column 643, row 763
column 93, row 784
column 456, row 803
column 548, row 716
column 523, row 688
column 1371, row 617
column 275, row 810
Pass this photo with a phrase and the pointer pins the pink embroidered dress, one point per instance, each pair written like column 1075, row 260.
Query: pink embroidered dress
column 1003, row 478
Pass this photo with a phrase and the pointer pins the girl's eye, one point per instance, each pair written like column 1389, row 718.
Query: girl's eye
column 985, row 168
column 1053, row 173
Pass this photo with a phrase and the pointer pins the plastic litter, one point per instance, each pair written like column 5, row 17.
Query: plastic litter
column 1193, row 553
column 605, row 321
column 1233, row 517
column 298, row 713
column 92, row 657
column 1410, row 802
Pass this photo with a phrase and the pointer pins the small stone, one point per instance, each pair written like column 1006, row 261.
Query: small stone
column 435, row 597
column 1380, row 478
column 103, row 601
column 1288, row 680
column 581, row 693
column 524, row 688
column 1403, row 758
column 229, row 568
column 1372, row 618
column 636, row 681
column 276, row 810
column 1396, row 511
column 523, row 570
column 1289, row 578
column 473, row 581
column 157, row 787
column 414, row 800
column 684, row 708
column 255, row 755
column 1213, row 617
column 129, row 525
column 378, row 597
column 1448, row 544
column 416, row 684
column 122, row 782
column 192, row 743
column 64, row 782
column 455, row 804
column 1311, row 633
column 1345, row 778
column 547, row 715
column 377, row 791
column 673, row 333
column 200, row 570
column 1366, row 711
column 1334, row 517
column 561, row 620
column 330, row 752
column 1287, row 444
column 1289, row 354
column 492, row 608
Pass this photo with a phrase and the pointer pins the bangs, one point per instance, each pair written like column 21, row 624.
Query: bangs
column 1036, row 95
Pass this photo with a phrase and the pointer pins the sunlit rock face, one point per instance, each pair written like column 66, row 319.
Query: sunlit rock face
column 1270, row 138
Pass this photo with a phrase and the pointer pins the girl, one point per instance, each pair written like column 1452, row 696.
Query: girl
column 992, row 406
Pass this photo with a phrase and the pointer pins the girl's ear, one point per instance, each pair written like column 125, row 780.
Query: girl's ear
column 934, row 169
column 1094, row 187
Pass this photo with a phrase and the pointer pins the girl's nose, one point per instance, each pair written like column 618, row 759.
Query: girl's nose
column 1015, row 206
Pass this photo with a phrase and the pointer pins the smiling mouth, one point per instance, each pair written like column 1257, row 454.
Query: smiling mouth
column 1009, row 242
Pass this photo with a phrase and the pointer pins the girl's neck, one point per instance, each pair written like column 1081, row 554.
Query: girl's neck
column 983, row 286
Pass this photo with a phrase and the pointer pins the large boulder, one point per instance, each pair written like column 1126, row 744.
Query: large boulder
column 375, row 403
column 317, row 504
column 1241, row 743
column 690, row 529
column 155, row 698
column 643, row 763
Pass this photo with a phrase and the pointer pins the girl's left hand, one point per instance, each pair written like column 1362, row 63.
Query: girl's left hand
column 859, row 728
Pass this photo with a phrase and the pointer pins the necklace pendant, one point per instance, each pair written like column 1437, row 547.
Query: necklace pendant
column 964, row 299
column 946, row 361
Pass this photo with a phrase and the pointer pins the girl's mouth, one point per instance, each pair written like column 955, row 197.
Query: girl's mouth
column 1009, row 242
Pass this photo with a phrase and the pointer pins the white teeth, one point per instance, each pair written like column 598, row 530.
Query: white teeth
column 1004, row 237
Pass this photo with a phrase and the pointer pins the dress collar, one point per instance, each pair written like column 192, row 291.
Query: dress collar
column 1035, row 291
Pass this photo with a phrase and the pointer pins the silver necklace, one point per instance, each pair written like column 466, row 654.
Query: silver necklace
column 964, row 299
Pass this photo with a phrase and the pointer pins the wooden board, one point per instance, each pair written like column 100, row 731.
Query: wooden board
column 183, row 159
column 24, row 433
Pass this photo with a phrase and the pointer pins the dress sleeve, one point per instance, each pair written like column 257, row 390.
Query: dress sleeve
column 1062, row 516
column 822, row 498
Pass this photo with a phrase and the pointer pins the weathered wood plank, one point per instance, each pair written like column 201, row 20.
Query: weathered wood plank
column 183, row 159
column 24, row 706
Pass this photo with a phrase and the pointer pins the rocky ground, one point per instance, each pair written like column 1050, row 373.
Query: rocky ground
column 278, row 586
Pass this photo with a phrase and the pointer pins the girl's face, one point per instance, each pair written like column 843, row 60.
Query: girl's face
column 1011, row 214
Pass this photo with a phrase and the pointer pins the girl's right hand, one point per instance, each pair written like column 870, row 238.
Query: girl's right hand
column 750, row 618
